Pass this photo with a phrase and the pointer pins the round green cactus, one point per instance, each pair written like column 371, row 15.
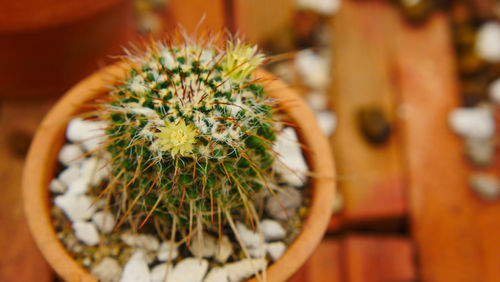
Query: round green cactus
column 190, row 133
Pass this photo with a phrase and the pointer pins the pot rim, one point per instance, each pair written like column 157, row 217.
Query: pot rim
column 42, row 158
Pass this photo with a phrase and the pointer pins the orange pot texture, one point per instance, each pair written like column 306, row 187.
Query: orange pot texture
column 42, row 158
column 46, row 46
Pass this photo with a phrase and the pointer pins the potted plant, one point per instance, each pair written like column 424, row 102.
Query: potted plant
column 176, row 168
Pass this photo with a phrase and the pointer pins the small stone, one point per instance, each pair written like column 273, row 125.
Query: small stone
column 475, row 123
column 56, row 186
column 105, row 221
column 272, row 230
column 488, row 41
column 146, row 241
column 290, row 198
column 79, row 186
column 95, row 169
column 323, row 7
column 208, row 245
column 89, row 133
column 164, row 251
column 249, row 238
column 416, row 11
column 159, row 273
column 69, row 174
column 327, row 122
column 338, row 203
column 313, row 68
column 480, row 152
column 291, row 163
column 69, row 154
column 224, row 250
column 276, row 250
column 244, row 268
column 374, row 125
column 486, row 186
column 189, row 270
column 136, row 269
column 494, row 91
column 317, row 100
column 108, row 270
column 86, row 233
column 77, row 207
column 86, row 261
column 257, row 252
column 216, row 274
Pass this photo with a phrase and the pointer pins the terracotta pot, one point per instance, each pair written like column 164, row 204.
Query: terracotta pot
column 42, row 158
column 46, row 46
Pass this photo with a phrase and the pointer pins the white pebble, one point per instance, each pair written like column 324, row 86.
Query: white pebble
column 216, row 274
column 313, row 68
column 159, row 273
column 494, row 91
column 86, row 232
column 189, row 270
column 224, row 250
column 276, row 250
column 108, row 270
column 317, row 100
column 473, row 122
column 488, row 41
column 324, row 7
column 75, row 207
column 244, row 268
column 105, row 221
column 249, row 238
column 95, row 169
column 56, row 186
column 164, row 251
column 89, row 133
column 272, row 230
column 69, row 154
column 486, row 186
column 327, row 122
column 146, row 241
column 136, row 269
column 290, row 199
column 208, row 245
column 291, row 164
column 70, row 174
column 257, row 252
column 79, row 186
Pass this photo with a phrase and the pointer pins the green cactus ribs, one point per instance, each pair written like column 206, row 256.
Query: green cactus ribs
column 190, row 133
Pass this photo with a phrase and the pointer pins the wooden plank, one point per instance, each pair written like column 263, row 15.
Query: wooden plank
column 370, row 258
column 323, row 265
column 370, row 177
column 200, row 15
column 456, row 234
column 259, row 19
column 20, row 259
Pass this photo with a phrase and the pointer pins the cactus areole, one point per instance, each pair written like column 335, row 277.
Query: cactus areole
column 189, row 133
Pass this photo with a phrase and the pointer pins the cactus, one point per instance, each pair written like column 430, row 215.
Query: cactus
column 189, row 135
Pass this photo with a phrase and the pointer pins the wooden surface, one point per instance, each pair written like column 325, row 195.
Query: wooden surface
column 378, row 258
column 370, row 176
column 20, row 259
column 259, row 19
column 360, row 258
column 196, row 15
column 453, row 229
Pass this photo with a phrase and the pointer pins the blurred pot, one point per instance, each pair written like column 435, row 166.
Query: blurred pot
column 48, row 45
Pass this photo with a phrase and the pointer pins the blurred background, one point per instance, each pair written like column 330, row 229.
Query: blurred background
column 407, row 91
